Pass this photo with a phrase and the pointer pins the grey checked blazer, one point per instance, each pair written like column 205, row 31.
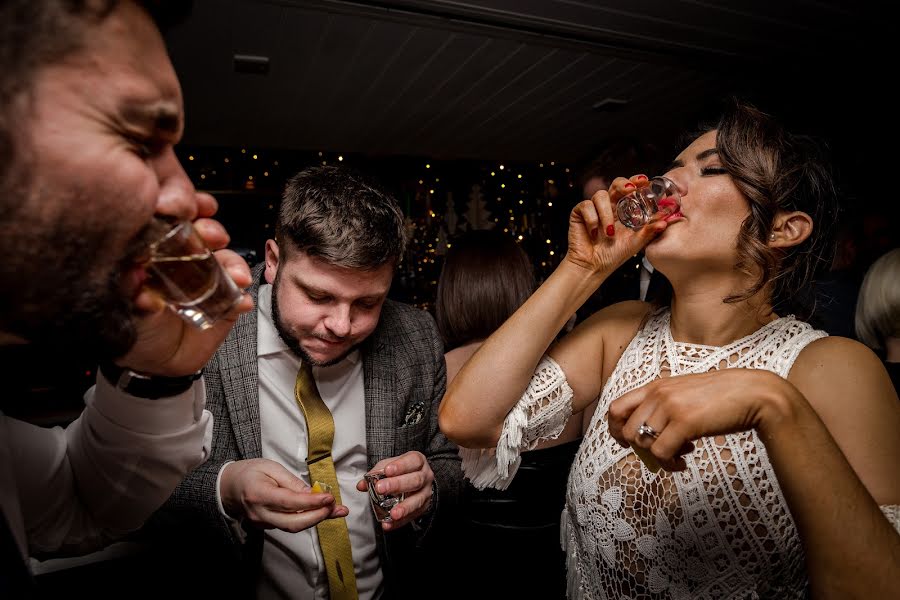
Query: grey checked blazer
column 405, row 379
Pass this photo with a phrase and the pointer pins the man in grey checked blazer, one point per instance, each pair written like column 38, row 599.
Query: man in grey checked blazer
column 404, row 379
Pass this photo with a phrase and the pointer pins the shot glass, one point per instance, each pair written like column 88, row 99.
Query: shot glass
column 656, row 201
column 183, row 270
column 381, row 503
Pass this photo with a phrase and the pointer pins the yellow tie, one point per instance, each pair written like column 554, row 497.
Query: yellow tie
column 334, row 539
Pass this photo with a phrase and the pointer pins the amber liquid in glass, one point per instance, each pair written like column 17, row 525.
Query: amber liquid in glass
column 194, row 285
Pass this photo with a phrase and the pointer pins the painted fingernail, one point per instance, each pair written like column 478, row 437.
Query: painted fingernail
column 629, row 186
column 610, row 230
column 641, row 177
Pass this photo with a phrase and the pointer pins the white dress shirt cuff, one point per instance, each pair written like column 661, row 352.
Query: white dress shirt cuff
column 145, row 416
column 236, row 525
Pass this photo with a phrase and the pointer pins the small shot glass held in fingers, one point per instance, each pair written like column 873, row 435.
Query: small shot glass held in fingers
column 658, row 200
column 381, row 503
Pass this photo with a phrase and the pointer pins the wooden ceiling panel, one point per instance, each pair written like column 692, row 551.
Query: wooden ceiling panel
column 511, row 79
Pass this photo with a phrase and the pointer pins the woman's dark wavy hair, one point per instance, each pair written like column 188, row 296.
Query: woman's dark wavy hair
column 778, row 171
column 486, row 277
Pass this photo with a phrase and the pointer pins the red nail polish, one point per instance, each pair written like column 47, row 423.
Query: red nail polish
column 641, row 177
column 629, row 186
column 610, row 230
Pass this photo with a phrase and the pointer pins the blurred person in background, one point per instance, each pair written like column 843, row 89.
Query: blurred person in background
column 486, row 276
column 878, row 312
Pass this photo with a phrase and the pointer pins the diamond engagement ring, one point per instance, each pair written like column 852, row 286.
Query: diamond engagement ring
column 645, row 429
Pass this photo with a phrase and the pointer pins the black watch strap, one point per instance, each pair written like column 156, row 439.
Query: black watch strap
column 146, row 386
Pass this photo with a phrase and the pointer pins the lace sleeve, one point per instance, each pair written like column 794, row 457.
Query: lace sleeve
column 540, row 414
column 892, row 512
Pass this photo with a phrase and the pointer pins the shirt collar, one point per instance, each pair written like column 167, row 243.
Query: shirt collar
column 267, row 339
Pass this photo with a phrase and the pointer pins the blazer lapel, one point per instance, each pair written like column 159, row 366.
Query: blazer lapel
column 379, row 380
column 240, row 377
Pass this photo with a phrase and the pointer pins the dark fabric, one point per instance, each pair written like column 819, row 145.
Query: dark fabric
column 835, row 303
column 893, row 370
column 15, row 578
column 510, row 538
column 657, row 287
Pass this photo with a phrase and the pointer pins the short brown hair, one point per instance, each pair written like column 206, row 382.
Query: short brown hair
column 486, row 277
column 342, row 217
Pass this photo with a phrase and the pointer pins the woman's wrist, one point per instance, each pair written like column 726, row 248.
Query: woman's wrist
column 580, row 276
column 781, row 409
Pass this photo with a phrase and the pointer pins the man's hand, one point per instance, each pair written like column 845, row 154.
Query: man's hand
column 166, row 344
column 269, row 496
column 408, row 474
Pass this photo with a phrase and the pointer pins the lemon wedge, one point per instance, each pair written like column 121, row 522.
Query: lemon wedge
column 320, row 488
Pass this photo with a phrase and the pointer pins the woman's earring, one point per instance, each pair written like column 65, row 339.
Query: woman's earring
column 772, row 237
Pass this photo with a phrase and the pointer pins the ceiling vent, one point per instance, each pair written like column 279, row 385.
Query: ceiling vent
column 247, row 63
column 610, row 105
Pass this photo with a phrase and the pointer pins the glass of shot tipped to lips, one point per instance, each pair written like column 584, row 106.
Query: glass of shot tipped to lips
column 658, row 200
column 184, row 271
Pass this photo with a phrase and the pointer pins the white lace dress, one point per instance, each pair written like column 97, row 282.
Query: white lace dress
column 719, row 529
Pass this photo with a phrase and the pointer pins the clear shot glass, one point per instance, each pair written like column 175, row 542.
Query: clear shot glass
column 381, row 503
column 657, row 201
column 183, row 270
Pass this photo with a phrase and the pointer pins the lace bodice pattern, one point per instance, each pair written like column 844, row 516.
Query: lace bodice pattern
column 719, row 529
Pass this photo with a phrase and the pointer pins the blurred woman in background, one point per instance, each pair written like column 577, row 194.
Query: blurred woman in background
column 878, row 312
column 485, row 278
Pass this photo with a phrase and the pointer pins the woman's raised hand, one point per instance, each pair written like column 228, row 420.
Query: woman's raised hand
column 597, row 241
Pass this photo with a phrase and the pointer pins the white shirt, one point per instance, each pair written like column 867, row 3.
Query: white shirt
column 292, row 564
column 646, row 272
column 105, row 473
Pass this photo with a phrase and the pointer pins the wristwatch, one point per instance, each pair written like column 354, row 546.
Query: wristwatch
column 142, row 385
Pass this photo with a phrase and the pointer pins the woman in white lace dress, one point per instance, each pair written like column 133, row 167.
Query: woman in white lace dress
column 778, row 445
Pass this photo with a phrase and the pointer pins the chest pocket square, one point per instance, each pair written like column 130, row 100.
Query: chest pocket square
column 414, row 413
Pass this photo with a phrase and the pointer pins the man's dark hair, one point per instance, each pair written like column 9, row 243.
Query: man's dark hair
column 341, row 217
